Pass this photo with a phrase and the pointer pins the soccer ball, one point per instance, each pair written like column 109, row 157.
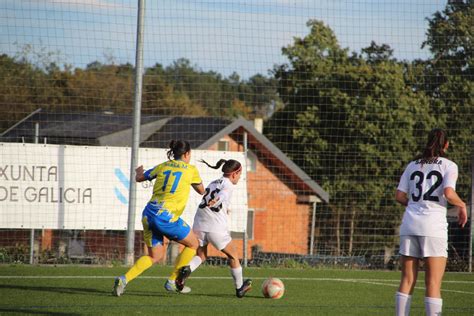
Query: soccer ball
column 273, row 288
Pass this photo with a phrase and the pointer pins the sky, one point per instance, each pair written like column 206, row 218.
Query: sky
column 242, row 36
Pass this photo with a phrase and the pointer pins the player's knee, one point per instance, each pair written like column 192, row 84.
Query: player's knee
column 432, row 284
column 190, row 241
column 156, row 254
column 194, row 244
column 232, row 256
column 156, row 259
column 408, row 281
column 234, row 263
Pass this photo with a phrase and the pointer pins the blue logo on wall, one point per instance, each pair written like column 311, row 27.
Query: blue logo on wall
column 125, row 182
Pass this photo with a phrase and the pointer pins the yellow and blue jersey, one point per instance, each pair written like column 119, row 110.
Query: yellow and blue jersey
column 172, row 185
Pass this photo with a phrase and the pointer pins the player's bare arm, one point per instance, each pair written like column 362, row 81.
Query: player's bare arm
column 401, row 197
column 454, row 199
column 199, row 188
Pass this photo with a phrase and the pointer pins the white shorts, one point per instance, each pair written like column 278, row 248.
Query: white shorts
column 422, row 246
column 218, row 240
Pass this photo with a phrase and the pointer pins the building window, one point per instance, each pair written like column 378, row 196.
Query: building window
column 223, row 145
column 251, row 161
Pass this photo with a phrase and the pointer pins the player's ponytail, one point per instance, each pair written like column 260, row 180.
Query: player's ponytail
column 177, row 148
column 229, row 167
column 435, row 145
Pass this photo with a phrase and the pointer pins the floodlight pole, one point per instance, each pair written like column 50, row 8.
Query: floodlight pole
column 129, row 255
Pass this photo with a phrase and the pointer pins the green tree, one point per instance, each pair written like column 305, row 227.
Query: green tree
column 24, row 88
column 220, row 96
column 15, row 93
column 448, row 78
column 160, row 96
column 260, row 93
column 204, row 88
column 101, row 87
column 350, row 122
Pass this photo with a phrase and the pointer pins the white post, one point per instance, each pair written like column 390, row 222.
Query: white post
column 310, row 199
column 313, row 222
column 32, row 232
column 129, row 257
column 245, row 247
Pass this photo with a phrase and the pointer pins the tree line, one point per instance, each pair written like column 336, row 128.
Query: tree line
column 28, row 83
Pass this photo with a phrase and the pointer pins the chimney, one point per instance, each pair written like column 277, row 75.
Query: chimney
column 258, row 124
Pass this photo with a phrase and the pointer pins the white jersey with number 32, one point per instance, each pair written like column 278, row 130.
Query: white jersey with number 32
column 213, row 219
column 424, row 184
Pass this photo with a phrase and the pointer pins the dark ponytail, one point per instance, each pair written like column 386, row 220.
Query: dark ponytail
column 177, row 148
column 434, row 148
column 230, row 166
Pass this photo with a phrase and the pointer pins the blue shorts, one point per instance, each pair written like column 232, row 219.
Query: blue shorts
column 157, row 223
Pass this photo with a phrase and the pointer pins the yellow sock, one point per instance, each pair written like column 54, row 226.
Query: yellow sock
column 182, row 260
column 142, row 264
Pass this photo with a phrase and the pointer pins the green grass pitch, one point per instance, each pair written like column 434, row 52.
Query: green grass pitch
column 79, row 290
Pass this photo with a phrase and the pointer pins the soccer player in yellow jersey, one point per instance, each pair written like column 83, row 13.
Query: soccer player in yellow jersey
column 161, row 216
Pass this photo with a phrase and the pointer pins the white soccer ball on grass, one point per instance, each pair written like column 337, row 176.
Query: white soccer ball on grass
column 273, row 288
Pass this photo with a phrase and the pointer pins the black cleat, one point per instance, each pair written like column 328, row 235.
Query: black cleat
column 184, row 273
column 247, row 286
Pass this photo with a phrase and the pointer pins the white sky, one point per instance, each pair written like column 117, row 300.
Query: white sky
column 220, row 35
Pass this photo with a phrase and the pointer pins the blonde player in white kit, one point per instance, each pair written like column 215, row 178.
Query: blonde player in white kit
column 211, row 227
column 427, row 184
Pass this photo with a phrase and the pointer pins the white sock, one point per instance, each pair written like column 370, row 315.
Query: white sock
column 433, row 306
column 402, row 304
column 237, row 275
column 195, row 263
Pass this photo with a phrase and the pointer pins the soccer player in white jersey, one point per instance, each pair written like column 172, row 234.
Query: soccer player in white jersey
column 210, row 224
column 426, row 185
